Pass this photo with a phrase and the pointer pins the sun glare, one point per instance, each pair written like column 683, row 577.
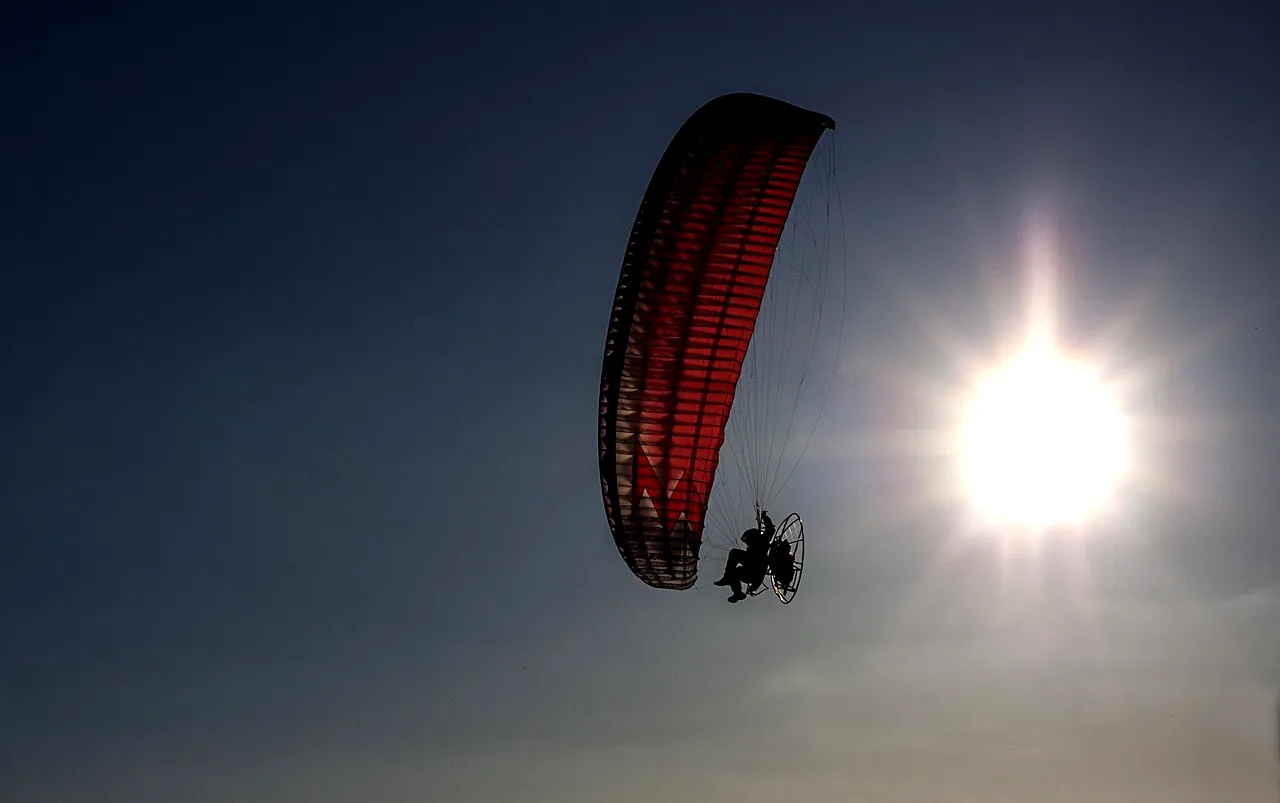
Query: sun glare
column 1043, row 442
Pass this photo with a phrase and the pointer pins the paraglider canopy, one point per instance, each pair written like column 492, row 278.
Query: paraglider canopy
column 689, row 292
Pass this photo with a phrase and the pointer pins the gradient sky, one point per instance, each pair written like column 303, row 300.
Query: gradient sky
column 302, row 309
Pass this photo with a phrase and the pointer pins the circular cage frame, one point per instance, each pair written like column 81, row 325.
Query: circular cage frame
column 791, row 530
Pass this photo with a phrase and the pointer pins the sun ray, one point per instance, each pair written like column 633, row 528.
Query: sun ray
column 1027, row 441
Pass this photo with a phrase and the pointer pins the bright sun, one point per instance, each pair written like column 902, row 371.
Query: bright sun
column 1043, row 441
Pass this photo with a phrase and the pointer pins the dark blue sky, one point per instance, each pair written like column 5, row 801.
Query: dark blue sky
column 302, row 308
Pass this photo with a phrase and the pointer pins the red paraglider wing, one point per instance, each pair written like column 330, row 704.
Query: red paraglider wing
column 691, row 284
